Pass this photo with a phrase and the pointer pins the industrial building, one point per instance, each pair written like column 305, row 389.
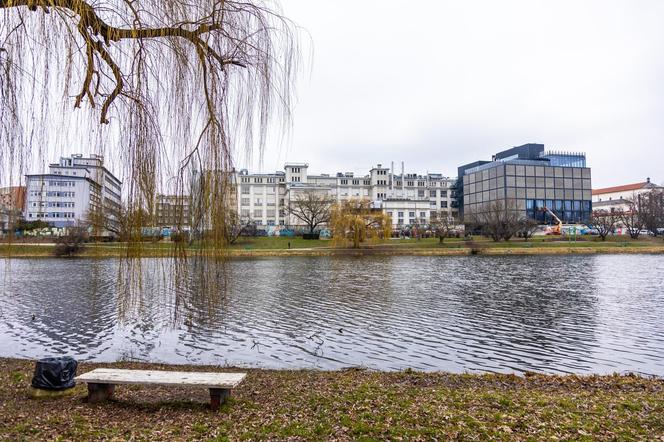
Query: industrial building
column 264, row 198
column 71, row 190
column 531, row 180
column 408, row 198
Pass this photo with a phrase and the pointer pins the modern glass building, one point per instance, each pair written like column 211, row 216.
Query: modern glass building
column 531, row 180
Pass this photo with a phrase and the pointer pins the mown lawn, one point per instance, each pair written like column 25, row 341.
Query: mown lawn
column 281, row 246
column 345, row 405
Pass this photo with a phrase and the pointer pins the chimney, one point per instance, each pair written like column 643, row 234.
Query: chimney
column 648, row 180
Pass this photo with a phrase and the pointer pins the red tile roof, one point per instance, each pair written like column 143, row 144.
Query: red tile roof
column 625, row 188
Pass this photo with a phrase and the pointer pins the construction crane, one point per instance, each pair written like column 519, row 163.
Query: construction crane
column 558, row 229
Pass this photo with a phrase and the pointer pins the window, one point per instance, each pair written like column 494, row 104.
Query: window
column 432, row 193
column 411, row 214
column 410, row 183
column 400, row 214
column 258, row 202
column 443, row 193
column 258, row 213
column 420, row 193
column 245, row 201
column 443, row 204
column 423, row 214
column 244, row 190
column 389, row 214
column 344, row 182
column 356, row 182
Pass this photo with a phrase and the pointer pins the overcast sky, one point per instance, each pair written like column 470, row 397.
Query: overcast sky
column 442, row 83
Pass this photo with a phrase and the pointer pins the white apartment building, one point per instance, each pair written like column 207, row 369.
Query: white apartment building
column 70, row 190
column 617, row 198
column 407, row 198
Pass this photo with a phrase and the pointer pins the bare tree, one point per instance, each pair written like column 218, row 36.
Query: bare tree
column 442, row 224
column 72, row 243
column 312, row 208
column 205, row 76
column 237, row 227
column 498, row 219
column 527, row 228
column 652, row 211
column 604, row 222
column 632, row 218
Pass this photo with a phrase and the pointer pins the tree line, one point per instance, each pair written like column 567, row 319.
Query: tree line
column 642, row 212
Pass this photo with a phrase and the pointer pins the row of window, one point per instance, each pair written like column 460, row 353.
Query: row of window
column 410, row 214
column 53, row 193
column 558, row 205
column 529, row 182
column 527, row 171
column 258, row 180
column 62, row 183
column 567, row 216
column 259, row 202
column 411, row 221
column 51, row 215
column 52, row 204
column 246, row 190
column 258, row 213
column 519, row 193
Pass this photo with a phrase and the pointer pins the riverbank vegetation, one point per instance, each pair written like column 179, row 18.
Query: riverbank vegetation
column 344, row 405
column 284, row 246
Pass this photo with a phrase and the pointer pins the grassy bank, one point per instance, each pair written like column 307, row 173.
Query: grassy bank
column 344, row 405
column 257, row 247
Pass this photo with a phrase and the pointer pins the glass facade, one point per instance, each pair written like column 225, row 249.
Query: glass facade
column 532, row 186
column 565, row 160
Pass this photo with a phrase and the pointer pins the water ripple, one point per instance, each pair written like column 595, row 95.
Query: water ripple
column 558, row 314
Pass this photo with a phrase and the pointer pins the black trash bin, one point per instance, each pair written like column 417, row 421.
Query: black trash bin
column 55, row 373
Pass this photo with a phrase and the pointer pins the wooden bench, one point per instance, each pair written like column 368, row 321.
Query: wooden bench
column 102, row 381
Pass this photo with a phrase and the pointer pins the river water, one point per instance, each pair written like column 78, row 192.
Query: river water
column 552, row 314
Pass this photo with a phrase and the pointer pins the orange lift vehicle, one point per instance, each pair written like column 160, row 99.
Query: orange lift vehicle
column 558, row 228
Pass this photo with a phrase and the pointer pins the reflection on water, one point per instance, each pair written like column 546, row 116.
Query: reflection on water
column 552, row 314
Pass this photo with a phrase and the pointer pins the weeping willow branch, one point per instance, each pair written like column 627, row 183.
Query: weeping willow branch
column 181, row 85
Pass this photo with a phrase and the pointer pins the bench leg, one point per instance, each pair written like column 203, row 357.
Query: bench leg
column 218, row 396
column 100, row 392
